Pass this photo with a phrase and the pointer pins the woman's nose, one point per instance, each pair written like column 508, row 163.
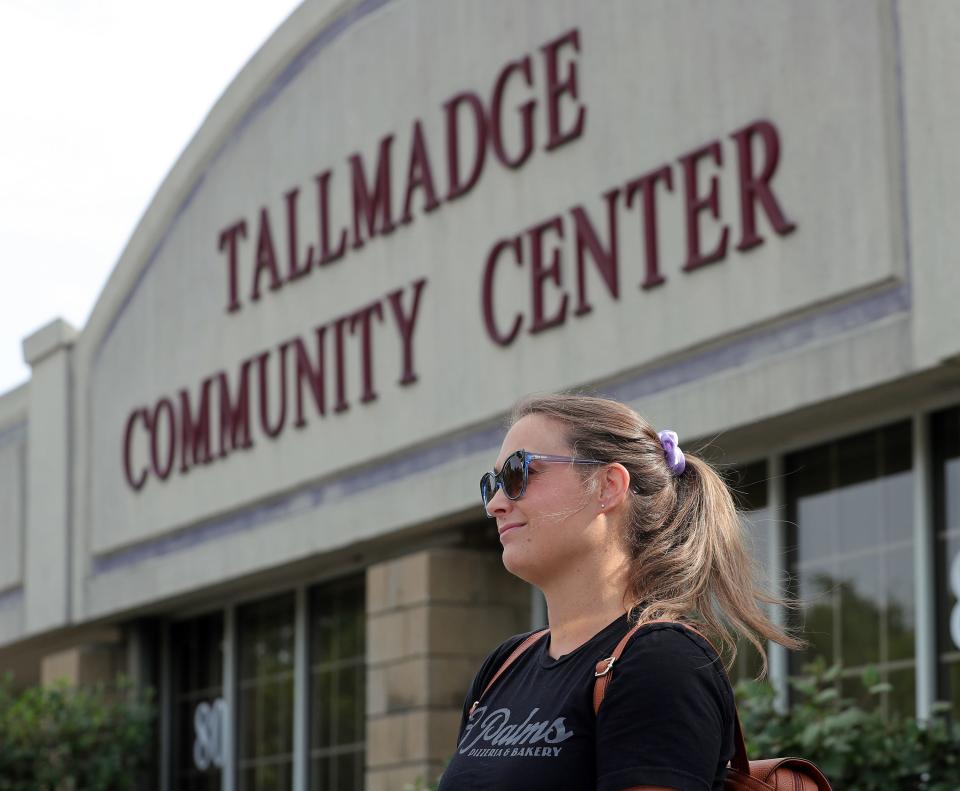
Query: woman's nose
column 499, row 504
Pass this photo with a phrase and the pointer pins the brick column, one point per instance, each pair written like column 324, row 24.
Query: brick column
column 432, row 617
column 86, row 664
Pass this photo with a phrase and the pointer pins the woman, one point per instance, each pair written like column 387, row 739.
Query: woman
column 617, row 527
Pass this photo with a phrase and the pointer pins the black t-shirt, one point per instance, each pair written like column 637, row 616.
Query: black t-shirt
column 667, row 718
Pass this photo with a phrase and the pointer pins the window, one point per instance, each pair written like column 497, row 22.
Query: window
column 946, row 490
column 265, row 686
column 338, row 685
column 850, row 534
column 748, row 484
column 198, row 709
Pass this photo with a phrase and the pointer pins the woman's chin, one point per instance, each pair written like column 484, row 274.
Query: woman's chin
column 518, row 563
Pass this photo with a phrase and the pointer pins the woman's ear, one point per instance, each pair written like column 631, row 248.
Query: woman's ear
column 614, row 485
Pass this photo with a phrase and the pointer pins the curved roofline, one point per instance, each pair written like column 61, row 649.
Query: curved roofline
column 294, row 43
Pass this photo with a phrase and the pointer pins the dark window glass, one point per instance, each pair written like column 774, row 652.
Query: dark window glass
column 850, row 538
column 748, row 485
column 265, row 641
column 945, row 433
column 338, row 685
column 196, row 651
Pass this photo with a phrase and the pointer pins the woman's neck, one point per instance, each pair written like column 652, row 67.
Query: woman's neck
column 579, row 607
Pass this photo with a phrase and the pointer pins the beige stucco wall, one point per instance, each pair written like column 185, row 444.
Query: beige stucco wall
column 49, row 490
column 13, row 504
column 931, row 117
column 12, row 501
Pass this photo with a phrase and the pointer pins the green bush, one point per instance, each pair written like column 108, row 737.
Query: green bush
column 851, row 741
column 54, row 738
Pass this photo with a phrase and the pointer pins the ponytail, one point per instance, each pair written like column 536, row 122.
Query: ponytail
column 697, row 564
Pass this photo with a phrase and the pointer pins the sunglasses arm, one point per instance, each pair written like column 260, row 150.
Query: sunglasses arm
column 567, row 459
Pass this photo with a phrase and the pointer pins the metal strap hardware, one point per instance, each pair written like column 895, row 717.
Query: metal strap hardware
column 608, row 668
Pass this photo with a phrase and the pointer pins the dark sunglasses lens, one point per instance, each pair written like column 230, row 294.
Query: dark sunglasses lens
column 488, row 485
column 512, row 476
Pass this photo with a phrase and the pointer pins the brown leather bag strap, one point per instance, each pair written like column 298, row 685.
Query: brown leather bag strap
column 740, row 762
column 524, row 645
column 604, row 675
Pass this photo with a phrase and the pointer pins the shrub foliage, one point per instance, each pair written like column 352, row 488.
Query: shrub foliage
column 55, row 738
column 856, row 746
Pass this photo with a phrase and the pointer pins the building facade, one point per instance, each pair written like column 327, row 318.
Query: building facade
column 250, row 480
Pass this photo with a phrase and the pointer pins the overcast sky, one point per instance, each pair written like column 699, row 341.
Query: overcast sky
column 98, row 98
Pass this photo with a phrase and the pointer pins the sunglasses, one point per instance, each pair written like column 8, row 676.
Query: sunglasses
column 514, row 473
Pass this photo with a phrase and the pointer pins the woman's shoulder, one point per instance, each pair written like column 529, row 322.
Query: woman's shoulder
column 674, row 636
column 673, row 652
column 667, row 668
column 667, row 716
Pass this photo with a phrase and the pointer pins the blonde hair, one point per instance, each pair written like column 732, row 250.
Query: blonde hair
column 683, row 534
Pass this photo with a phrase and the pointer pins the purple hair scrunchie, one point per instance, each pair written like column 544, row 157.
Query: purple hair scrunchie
column 671, row 449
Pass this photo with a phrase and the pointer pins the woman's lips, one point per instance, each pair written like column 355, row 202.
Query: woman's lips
column 504, row 528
